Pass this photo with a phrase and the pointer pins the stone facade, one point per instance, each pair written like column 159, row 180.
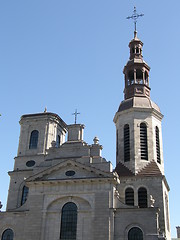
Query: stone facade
column 129, row 202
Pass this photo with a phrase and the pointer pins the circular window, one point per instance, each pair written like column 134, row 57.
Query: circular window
column 70, row 173
column 30, row 163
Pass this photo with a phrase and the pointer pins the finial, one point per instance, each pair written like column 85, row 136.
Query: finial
column 75, row 114
column 96, row 140
column 135, row 16
column 45, row 110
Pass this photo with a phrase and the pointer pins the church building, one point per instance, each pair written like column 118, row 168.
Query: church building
column 61, row 188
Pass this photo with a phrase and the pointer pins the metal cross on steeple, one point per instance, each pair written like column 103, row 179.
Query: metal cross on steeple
column 135, row 17
column 75, row 114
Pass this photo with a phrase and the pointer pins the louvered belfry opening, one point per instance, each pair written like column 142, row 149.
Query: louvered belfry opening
column 143, row 141
column 158, row 146
column 129, row 196
column 126, row 143
column 142, row 197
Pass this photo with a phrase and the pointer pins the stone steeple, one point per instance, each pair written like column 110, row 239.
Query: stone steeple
column 136, row 71
column 138, row 119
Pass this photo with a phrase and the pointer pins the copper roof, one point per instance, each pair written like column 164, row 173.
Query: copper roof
column 138, row 102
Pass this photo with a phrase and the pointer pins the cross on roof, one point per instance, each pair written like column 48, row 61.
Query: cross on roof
column 135, row 16
column 75, row 114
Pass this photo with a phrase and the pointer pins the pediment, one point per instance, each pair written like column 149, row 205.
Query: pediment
column 69, row 169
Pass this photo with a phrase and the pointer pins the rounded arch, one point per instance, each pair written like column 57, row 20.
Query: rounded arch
column 146, row 78
column 59, row 202
column 131, row 76
column 126, row 143
column 20, row 193
column 143, row 141
column 142, row 197
column 135, row 233
column 33, row 143
column 8, row 234
column 55, row 204
column 68, row 221
column 139, row 76
column 158, row 154
column 24, row 196
column 129, row 196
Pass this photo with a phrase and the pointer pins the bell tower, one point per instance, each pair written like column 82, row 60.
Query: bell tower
column 138, row 119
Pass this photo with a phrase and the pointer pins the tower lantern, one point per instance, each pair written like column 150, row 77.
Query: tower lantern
column 136, row 71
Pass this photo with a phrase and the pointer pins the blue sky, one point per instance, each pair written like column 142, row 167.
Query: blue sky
column 68, row 54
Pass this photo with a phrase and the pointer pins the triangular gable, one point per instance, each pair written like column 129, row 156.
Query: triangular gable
column 123, row 171
column 150, row 169
column 59, row 172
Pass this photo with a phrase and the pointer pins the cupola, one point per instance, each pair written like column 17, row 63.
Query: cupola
column 136, row 71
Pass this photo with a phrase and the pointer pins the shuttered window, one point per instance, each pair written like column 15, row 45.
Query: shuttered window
column 142, row 197
column 158, row 146
column 143, row 141
column 126, row 143
column 129, row 196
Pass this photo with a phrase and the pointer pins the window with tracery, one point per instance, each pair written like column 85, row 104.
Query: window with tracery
column 34, row 139
column 69, row 221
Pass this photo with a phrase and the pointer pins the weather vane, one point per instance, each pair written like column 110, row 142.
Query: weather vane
column 75, row 114
column 135, row 16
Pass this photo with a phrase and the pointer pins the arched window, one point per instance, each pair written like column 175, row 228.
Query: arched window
column 68, row 221
column 167, row 211
column 129, row 196
column 143, row 141
column 33, row 139
column 58, row 141
column 131, row 76
column 142, row 197
column 135, row 233
column 126, row 143
column 146, row 78
column 158, row 146
column 117, row 142
column 137, row 50
column 24, row 194
column 7, row 235
column 139, row 76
